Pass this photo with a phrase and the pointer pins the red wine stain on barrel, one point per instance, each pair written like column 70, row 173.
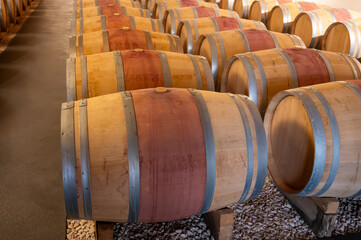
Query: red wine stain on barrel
column 171, row 154
column 259, row 40
column 355, row 82
column 310, row 67
column 226, row 23
column 120, row 39
column 142, row 70
column 109, row 11
column 308, row 6
column 114, row 22
column 107, row 2
column 189, row 3
column 341, row 14
column 205, row 12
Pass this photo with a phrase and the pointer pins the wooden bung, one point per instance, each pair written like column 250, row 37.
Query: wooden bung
column 321, row 126
column 107, row 3
column 312, row 25
column 349, row 43
column 4, row 16
column 160, row 6
column 261, row 75
column 108, row 11
column 242, row 7
column 154, row 156
column 190, row 30
column 260, row 9
column 172, row 17
column 122, row 39
column 281, row 17
column 105, row 73
column 219, row 46
column 101, row 23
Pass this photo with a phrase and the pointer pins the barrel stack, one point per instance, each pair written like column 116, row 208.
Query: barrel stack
column 145, row 137
column 11, row 11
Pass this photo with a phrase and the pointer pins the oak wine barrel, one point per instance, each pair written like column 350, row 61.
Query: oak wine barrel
column 4, row 16
column 122, row 39
column 281, row 17
column 172, row 17
column 100, row 23
column 156, row 155
column 219, row 46
column 242, row 7
column 261, row 75
column 160, row 7
column 19, row 7
column 190, row 30
column 312, row 25
column 12, row 10
column 108, row 3
column 111, row 72
column 321, row 126
column 109, row 11
column 260, row 9
column 344, row 37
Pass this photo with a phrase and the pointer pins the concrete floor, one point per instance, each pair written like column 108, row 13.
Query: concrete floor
column 32, row 88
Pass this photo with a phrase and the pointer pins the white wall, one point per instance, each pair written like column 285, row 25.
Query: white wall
column 348, row 4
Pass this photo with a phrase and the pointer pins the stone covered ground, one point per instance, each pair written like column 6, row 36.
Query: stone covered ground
column 270, row 216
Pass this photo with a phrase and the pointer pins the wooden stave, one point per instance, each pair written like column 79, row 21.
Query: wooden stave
column 153, row 40
column 70, row 118
column 354, row 72
column 20, row 7
column 102, row 23
column 170, row 15
column 13, row 15
column 97, row 11
column 353, row 29
column 4, row 16
column 189, row 26
column 119, row 80
column 217, row 43
column 317, row 102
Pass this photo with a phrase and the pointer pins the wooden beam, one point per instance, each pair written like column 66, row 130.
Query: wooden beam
column 220, row 223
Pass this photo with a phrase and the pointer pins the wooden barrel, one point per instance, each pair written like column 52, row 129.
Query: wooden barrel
column 122, row 39
column 110, row 11
column 281, row 17
column 242, row 7
column 350, row 43
column 321, row 126
column 4, row 16
column 135, row 69
column 312, row 25
column 260, row 9
column 262, row 74
column 12, row 11
column 189, row 30
column 108, row 3
column 219, row 46
column 19, row 7
column 156, row 155
column 172, row 17
column 160, row 7
column 100, row 23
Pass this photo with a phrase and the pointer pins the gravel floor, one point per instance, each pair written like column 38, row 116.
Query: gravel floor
column 270, row 216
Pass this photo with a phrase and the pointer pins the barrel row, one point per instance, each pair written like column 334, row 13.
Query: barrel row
column 110, row 11
column 261, row 75
column 88, row 77
column 11, row 11
column 205, row 151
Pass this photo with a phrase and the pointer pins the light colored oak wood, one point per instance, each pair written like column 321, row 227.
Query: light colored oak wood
column 278, row 74
column 171, row 16
column 349, row 43
column 109, row 173
column 102, row 71
column 109, row 3
column 288, row 121
column 108, row 11
column 229, row 43
column 312, row 25
column 281, row 17
column 242, row 7
column 260, row 9
column 202, row 26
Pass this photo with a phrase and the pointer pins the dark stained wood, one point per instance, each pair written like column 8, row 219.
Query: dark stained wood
column 310, row 67
column 142, row 70
column 109, row 11
column 259, row 39
column 117, row 22
column 120, row 39
column 107, row 2
column 104, row 230
column 220, row 223
column 205, row 12
column 171, row 153
column 341, row 14
column 226, row 23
